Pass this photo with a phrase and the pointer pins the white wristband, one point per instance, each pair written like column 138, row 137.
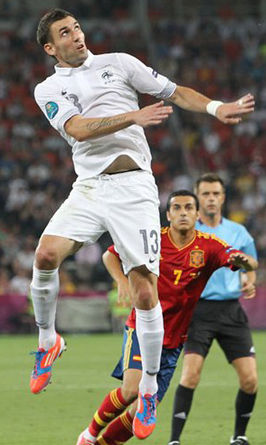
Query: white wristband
column 212, row 106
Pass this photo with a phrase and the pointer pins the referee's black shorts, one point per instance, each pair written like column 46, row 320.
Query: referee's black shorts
column 224, row 321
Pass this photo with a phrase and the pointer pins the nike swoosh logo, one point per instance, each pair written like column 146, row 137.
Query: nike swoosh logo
column 151, row 373
column 152, row 260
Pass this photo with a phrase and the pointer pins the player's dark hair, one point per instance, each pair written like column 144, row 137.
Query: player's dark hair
column 209, row 177
column 43, row 30
column 181, row 193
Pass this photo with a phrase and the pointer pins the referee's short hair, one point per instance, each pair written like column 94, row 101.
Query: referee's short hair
column 43, row 30
column 209, row 177
column 181, row 193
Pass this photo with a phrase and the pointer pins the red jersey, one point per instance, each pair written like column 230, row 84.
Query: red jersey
column 183, row 275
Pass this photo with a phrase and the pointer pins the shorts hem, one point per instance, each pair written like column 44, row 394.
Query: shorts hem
column 69, row 237
column 147, row 265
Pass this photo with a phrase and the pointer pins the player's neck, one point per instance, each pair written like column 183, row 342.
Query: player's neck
column 211, row 220
column 182, row 238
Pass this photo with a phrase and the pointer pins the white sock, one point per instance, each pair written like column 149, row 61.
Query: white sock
column 150, row 331
column 44, row 289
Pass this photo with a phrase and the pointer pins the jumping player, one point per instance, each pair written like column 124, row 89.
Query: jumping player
column 188, row 258
column 91, row 100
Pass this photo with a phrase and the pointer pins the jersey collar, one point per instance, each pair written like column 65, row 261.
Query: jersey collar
column 175, row 245
column 202, row 223
column 66, row 71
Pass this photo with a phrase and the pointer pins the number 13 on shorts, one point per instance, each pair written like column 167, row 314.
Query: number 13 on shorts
column 150, row 241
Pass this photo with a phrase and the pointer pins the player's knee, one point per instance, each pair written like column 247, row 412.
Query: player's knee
column 144, row 294
column 46, row 258
column 249, row 383
column 190, row 379
column 144, row 297
column 130, row 393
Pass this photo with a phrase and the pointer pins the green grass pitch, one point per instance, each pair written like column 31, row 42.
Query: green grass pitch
column 82, row 377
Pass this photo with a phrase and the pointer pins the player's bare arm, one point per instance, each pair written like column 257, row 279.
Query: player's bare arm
column 243, row 261
column 113, row 265
column 85, row 128
column 228, row 113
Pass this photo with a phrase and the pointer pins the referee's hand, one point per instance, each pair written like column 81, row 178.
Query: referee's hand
column 248, row 290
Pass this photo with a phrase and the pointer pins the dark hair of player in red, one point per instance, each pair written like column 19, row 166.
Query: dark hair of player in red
column 181, row 193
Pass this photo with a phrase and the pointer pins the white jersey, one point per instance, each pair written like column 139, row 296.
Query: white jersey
column 103, row 86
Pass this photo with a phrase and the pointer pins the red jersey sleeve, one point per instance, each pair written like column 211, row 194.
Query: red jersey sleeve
column 220, row 253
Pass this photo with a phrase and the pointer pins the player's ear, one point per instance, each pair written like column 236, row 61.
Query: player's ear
column 167, row 216
column 198, row 217
column 49, row 49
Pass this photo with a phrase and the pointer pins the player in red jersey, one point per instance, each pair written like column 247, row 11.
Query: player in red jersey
column 188, row 258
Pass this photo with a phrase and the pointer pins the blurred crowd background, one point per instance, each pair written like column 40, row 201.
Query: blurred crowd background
column 218, row 49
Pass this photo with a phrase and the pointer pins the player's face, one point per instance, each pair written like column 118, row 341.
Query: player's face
column 67, row 43
column 211, row 198
column 183, row 213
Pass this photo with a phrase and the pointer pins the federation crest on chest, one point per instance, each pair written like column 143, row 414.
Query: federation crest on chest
column 196, row 258
column 108, row 75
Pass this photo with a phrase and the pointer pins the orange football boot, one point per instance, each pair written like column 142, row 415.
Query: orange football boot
column 145, row 418
column 44, row 360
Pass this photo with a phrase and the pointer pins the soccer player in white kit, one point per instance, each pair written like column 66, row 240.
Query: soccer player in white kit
column 91, row 100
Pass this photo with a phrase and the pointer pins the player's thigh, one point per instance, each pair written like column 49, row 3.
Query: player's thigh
column 54, row 249
column 134, row 223
column 246, row 369
column 191, row 370
column 80, row 217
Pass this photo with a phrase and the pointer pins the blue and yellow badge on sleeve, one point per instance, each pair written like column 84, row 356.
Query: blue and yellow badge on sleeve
column 51, row 109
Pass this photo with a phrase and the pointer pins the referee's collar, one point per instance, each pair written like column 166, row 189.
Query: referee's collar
column 66, row 71
column 202, row 223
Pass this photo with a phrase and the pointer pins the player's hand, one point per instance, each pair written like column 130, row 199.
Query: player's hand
column 230, row 113
column 240, row 260
column 123, row 294
column 152, row 114
column 248, row 290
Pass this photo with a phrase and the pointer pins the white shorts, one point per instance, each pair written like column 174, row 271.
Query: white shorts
column 126, row 205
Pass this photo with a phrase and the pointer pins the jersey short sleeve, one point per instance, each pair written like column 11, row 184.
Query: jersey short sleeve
column 247, row 243
column 145, row 79
column 54, row 105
